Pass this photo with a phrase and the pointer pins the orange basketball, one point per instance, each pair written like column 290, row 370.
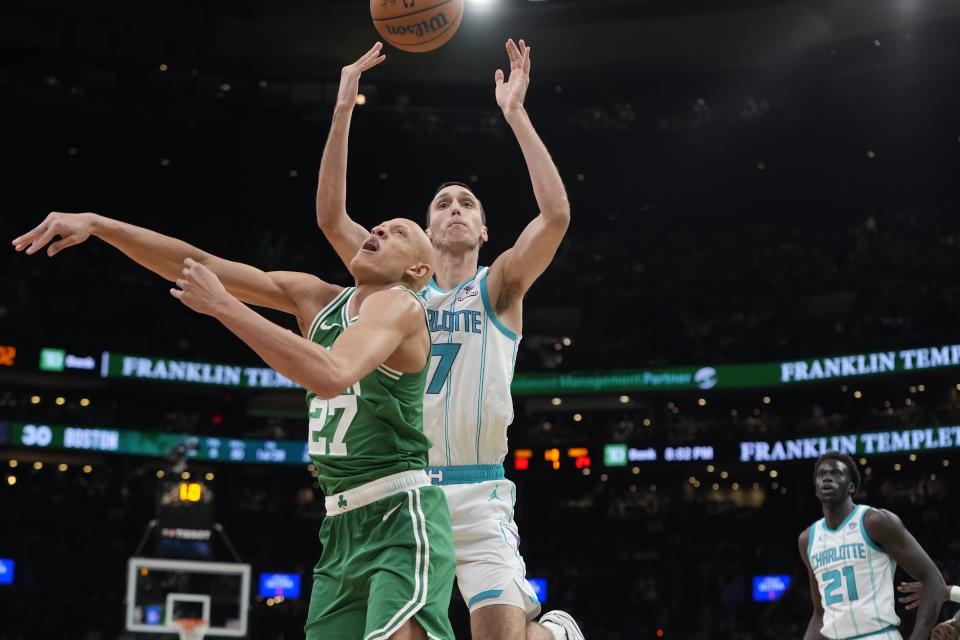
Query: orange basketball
column 416, row 25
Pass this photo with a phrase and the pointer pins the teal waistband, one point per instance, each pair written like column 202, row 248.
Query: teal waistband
column 465, row 474
column 890, row 629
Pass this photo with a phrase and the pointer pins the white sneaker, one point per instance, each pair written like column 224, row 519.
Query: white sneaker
column 562, row 625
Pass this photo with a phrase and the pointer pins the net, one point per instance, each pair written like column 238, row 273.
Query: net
column 192, row 628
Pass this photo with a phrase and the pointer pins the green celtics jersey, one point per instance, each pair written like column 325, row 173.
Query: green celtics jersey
column 374, row 428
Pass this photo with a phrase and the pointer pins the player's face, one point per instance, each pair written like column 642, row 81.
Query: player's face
column 456, row 223
column 832, row 482
column 393, row 248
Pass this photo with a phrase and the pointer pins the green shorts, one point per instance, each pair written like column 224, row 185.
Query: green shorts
column 382, row 564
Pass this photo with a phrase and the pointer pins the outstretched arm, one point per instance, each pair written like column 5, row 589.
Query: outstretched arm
column 344, row 234
column 530, row 256
column 295, row 293
column 387, row 318
column 816, row 618
column 886, row 529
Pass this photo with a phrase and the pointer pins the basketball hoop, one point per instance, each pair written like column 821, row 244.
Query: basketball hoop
column 192, row 628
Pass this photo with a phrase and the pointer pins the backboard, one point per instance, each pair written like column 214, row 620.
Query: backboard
column 161, row 591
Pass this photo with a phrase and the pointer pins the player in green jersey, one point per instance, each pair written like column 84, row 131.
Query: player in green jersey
column 387, row 565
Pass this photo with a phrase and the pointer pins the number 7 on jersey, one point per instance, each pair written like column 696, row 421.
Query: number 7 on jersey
column 448, row 353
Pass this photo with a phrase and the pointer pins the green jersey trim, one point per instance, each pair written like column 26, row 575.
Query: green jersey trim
column 325, row 310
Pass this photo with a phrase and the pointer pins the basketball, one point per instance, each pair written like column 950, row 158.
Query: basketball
column 416, row 25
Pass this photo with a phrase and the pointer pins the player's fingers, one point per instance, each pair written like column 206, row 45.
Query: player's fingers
column 176, row 293
column 526, row 59
column 181, row 283
column 372, row 53
column 909, row 587
column 42, row 241
column 62, row 244
column 359, row 61
column 370, row 64
column 498, row 77
column 512, row 52
column 22, row 241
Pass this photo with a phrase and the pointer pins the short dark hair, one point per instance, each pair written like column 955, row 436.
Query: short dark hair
column 454, row 183
column 846, row 460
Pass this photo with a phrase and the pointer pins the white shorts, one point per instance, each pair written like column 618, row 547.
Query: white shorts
column 489, row 567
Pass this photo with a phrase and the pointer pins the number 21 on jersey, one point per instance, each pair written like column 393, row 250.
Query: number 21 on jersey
column 833, row 581
column 339, row 412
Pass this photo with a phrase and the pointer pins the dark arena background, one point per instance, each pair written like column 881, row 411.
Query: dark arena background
column 761, row 265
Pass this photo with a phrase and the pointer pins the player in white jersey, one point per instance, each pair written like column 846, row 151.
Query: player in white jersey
column 475, row 321
column 851, row 555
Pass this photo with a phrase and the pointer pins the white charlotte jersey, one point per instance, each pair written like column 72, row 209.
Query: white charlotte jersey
column 467, row 405
column 855, row 580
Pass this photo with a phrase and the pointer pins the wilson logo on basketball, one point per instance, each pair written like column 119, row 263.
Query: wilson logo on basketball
column 436, row 23
column 416, row 25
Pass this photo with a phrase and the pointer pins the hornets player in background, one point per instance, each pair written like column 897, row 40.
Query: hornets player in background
column 851, row 555
column 949, row 630
column 387, row 565
column 476, row 316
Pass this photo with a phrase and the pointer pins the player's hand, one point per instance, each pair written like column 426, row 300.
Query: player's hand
column 912, row 591
column 510, row 93
column 72, row 228
column 945, row 631
column 200, row 289
column 350, row 76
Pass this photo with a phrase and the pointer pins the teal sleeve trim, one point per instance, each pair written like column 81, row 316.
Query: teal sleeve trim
column 484, row 595
column 485, row 296
column 813, row 532
column 866, row 536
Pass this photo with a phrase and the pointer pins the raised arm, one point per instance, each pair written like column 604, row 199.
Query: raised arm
column 387, row 319
column 295, row 293
column 887, row 531
column 816, row 618
column 344, row 234
column 518, row 267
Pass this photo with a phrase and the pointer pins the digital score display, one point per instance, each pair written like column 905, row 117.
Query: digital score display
column 286, row 585
column 770, row 588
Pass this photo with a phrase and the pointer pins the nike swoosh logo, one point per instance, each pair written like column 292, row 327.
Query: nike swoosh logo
column 390, row 513
column 327, row 327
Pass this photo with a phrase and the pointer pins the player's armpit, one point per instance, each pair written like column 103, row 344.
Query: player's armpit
column 520, row 266
column 888, row 532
